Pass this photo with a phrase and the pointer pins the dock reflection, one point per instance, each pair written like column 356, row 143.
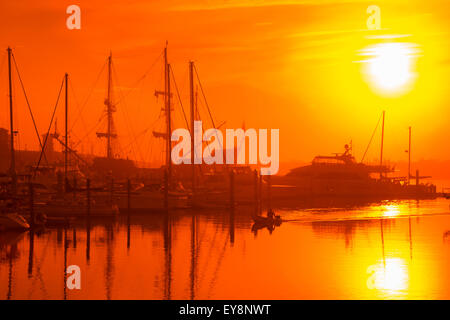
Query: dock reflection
column 214, row 254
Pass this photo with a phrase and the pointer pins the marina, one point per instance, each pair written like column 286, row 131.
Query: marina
column 225, row 150
column 78, row 187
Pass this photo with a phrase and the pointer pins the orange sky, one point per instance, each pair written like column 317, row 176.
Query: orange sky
column 291, row 65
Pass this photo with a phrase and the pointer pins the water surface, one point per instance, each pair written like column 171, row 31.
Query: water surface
column 388, row 250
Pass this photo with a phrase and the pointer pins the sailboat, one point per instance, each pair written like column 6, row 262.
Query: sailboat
column 145, row 199
column 9, row 218
column 62, row 204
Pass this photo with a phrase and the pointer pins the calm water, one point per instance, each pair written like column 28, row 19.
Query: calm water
column 394, row 250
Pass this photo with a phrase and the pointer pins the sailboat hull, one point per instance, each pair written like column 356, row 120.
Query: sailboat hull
column 13, row 221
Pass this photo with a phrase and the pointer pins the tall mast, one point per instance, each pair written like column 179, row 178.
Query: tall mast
column 169, row 126
column 409, row 157
column 66, row 136
column 11, row 126
column 168, row 115
column 109, row 109
column 382, row 142
column 192, row 101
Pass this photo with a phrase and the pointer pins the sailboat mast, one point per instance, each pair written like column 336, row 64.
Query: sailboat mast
column 168, row 115
column 66, row 136
column 109, row 108
column 11, row 126
column 382, row 143
column 169, row 126
column 409, row 157
column 192, row 101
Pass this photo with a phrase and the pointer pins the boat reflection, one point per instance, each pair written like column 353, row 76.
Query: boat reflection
column 317, row 254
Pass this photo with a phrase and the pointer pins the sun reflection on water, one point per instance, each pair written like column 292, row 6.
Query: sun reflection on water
column 390, row 276
column 391, row 210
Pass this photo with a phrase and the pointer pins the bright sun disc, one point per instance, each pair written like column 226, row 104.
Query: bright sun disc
column 389, row 66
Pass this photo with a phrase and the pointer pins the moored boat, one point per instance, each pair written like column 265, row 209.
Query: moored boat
column 13, row 221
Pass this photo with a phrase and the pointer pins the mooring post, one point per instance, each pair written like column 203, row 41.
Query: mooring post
column 166, row 190
column 417, row 177
column 31, row 254
column 128, row 213
column 74, row 187
column 232, row 205
column 232, row 227
column 32, row 217
column 269, row 191
column 255, row 185
column 88, row 198
column 260, row 197
column 112, row 191
column 231, row 189
column 129, row 195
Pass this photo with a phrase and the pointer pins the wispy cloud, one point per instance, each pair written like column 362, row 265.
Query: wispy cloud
column 229, row 4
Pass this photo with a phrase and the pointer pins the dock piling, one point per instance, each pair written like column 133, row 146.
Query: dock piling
column 112, row 191
column 232, row 200
column 129, row 195
column 32, row 216
column 74, row 187
column 260, row 192
column 88, row 198
column 128, row 213
column 255, row 184
column 166, row 190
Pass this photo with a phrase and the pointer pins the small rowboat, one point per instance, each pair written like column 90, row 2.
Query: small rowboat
column 267, row 221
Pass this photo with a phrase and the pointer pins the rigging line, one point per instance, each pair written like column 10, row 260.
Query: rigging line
column 127, row 121
column 148, row 142
column 207, row 105
column 114, row 74
column 178, row 95
column 89, row 94
column 90, row 131
column 204, row 97
column 50, row 126
column 140, row 134
column 211, row 248
column 142, row 77
column 3, row 63
column 209, row 110
column 77, row 104
column 371, row 138
column 149, row 153
column 74, row 137
column 28, row 104
column 217, row 269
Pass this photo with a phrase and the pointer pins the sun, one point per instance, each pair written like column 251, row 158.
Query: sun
column 390, row 66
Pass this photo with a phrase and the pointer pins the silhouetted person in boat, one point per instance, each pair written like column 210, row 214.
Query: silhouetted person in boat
column 270, row 214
